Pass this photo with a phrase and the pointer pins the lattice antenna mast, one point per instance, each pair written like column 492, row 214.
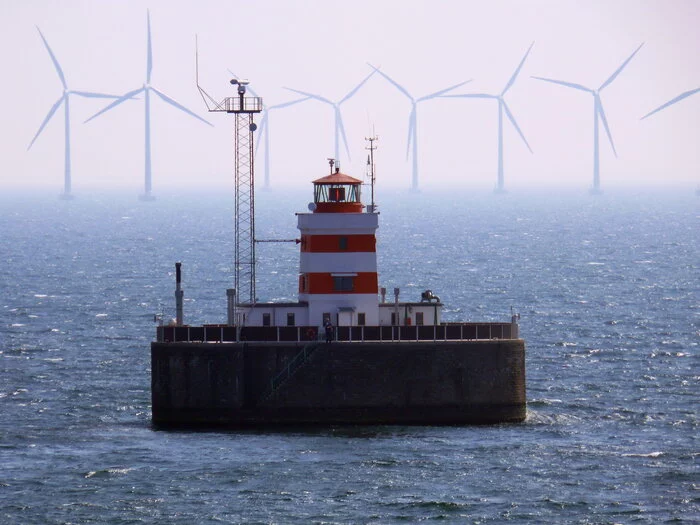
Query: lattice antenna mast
column 243, row 108
column 370, row 166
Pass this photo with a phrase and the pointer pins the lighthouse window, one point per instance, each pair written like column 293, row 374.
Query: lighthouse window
column 343, row 243
column 336, row 194
column 361, row 319
column 342, row 284
column 290, row 319
column 266, row 320
column 419, row 318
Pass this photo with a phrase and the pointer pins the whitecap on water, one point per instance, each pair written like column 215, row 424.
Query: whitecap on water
column 108, row 472
column 649, row 455
column 101, row 315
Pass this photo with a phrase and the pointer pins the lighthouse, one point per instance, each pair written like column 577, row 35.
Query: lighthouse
column 385, row 363
column 338, row 256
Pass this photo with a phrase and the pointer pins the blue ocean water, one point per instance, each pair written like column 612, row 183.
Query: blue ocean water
column 608, row 289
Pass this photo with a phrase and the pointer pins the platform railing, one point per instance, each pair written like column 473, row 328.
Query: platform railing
column 297, row 334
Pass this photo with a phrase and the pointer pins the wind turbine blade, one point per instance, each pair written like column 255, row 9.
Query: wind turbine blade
column 342, row 131
column 672, row 101
column 252, row 91
column 599, row 105
column 438, row 93
column 46, row 120
column 356, row 88
column 149, row 58
column 470, row 95
column 179, row 106
column 123, row 98
column 411, row 124
column 290, row 103
column 619, row 69
column 53, row 59
column 87, row 94
column 261, row 128
column 515, row 124
column 567, row 84
column 392, row 81
column 310, row 95
column 517, row 70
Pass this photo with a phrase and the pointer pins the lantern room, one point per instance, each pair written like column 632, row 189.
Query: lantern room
column 337, row 193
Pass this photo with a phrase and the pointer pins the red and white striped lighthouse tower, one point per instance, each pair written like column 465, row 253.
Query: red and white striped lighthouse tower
column 338, row 266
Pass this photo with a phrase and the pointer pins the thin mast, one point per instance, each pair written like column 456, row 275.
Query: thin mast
column 370, row 163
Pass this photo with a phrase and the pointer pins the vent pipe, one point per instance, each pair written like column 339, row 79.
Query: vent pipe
column 231, row 306
column 396, row 306
column 179, row 294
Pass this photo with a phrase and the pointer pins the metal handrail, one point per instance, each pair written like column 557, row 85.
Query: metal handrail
column 297, row 334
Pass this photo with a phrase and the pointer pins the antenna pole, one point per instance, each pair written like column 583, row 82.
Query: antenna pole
column 370, row 162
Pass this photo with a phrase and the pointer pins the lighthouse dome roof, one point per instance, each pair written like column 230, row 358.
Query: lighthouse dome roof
column 337, row 178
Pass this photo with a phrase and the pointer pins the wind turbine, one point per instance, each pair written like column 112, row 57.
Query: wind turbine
column 502, row 107
column 412, row 120
column 264, row 130
column 146, row 89
column 598, row 112
column 338, row 126
column 65, row 100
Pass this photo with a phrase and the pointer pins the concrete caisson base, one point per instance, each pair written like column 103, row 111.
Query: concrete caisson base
column 258, row 384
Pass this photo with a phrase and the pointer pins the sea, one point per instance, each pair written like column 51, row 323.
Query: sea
column 607, row 287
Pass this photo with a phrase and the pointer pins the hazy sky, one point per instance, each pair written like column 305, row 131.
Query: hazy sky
column 324, row 46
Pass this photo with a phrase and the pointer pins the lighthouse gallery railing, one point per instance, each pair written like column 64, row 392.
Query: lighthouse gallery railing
column 290, row 334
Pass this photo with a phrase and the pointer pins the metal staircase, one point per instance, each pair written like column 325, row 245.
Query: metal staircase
column 294, row 364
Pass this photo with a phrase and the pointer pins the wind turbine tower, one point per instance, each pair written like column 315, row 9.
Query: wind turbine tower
column 412, row 120
column 502, row 107
column 65, row 100
column 146, row 89
column 339, row 129
column 264, row 130
column 598, row 113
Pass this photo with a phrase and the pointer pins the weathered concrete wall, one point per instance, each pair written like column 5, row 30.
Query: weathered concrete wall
column 420, row 383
